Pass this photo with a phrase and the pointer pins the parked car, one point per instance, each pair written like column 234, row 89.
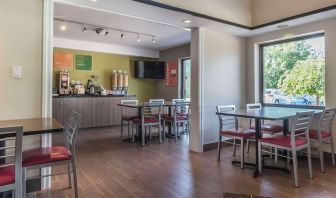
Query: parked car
column 281, row 98
column 305, row 100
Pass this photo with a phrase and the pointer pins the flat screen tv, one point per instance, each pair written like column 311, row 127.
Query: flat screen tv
column 149, row 69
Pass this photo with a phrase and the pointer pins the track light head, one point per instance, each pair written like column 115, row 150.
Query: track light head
column 63, row 26
column 138, row 38
column 99, row 30
column 106, row 32
column 122, row 36
column 153, row 39
column 84, row 28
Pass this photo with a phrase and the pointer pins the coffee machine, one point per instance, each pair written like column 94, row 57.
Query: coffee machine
column 64, row 83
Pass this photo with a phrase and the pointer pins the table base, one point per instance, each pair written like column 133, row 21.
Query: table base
column 256, row 172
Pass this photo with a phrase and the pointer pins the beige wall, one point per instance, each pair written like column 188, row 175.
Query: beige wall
column 20, row 44
column 223, row 81
column 238, row 11
column 264, row 11
column 328, row 26
column 162, row 91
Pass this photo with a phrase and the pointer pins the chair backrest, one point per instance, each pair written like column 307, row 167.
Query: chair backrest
column 182, row 109
column 178, row 100
column 253, row 106
column 148, row 109
column 227, row 121
column 162, row 101
column 71, row 129
column 11, row 151
column 326, row 120
column 301, row 125
column 129, row 102
column 129, row 111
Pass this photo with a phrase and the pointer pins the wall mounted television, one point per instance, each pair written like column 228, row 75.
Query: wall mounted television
column 149, row 69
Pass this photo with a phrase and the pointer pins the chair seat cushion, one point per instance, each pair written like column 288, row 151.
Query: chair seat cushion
column 313, row 133
column 130, row 118
column 178, row 118
column 272, row 128
column 240, row 133
column 282, row 140
column 146, row 120
column 45, row 155
column 7, row 175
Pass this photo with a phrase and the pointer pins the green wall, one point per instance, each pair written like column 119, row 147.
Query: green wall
column 102, row 66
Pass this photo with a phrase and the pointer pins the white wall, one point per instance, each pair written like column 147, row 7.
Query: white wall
column 264, row 11
column 328, row 26
column 217, row 78
column 238, row 11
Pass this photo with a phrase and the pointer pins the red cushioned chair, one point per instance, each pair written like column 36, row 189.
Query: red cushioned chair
column 323, row 135
column 181, row 115
column 150, row 116
column 297, row 141
column 55, row 155
column 11, row 164
column 127, row 116
column 229, row 128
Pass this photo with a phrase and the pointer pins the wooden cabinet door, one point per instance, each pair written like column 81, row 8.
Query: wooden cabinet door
column 58, row 109
column 117, row 111
column 102, row 111
column 89, row 112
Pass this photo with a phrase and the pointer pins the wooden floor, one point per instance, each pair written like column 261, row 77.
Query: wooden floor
column 108, row 167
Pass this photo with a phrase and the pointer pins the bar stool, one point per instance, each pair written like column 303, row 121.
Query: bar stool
column 11, row 164
column 298, row 140
column 127, row 116
column 55, row 155
column 228, row 127
column 148, row 119
column 181, row 116
column 323, row 135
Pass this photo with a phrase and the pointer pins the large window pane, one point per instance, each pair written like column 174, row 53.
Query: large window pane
column 294, row 71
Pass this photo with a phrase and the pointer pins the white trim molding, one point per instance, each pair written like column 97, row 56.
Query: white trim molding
column 105, row 48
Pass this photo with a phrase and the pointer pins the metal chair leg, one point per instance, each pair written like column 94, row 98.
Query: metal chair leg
column 260, row 158
column 321, row 156
column 275, row 155
column 24, row 193
column 332, row 151
column 295, row 167
column 160, row 133
column 248, row 146
column 234, row 147
column 128, row 129
column 122, row 129
column 242, row 153
column 219, row 147
column 310, row 163
column 175, row 129
column 150, row 133
column 164, row 130
column 69, row 176
column 73, row 162
column 143, row 135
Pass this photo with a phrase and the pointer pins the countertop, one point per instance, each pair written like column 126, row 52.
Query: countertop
column 93, row 96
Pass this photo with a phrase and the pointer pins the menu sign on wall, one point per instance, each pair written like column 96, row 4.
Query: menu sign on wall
column 171, row 73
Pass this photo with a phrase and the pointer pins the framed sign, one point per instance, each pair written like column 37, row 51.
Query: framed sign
column 171, row 73
column 63, row 60
column 83, row 62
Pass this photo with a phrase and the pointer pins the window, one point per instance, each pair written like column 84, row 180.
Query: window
column 293, row 71
column 185, row 78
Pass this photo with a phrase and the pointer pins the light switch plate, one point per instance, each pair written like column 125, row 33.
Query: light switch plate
column 16, row 71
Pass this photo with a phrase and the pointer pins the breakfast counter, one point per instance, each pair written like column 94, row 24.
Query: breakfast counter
column 96, row 110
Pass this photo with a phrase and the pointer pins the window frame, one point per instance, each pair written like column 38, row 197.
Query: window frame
column 261, row 68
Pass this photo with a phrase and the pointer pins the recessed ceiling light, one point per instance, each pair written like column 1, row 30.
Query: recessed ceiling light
column 186, row 21
column 63, row 26
column 282, row 26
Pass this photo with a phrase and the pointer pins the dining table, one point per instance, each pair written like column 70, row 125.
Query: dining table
column 33, row 126
column 271, row 113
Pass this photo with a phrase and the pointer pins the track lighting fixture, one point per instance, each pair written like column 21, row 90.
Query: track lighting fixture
column 63, row 26
column 104, row 30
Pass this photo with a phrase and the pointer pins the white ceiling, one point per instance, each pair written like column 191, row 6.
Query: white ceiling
column 167, row 36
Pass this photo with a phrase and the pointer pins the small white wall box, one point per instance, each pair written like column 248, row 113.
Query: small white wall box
column 16, row 71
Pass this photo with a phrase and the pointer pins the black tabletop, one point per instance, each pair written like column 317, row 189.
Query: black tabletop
column 166, row 104
column 269, row 113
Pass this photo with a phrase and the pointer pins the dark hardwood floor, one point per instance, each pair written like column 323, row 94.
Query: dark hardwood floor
column 108, row 167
